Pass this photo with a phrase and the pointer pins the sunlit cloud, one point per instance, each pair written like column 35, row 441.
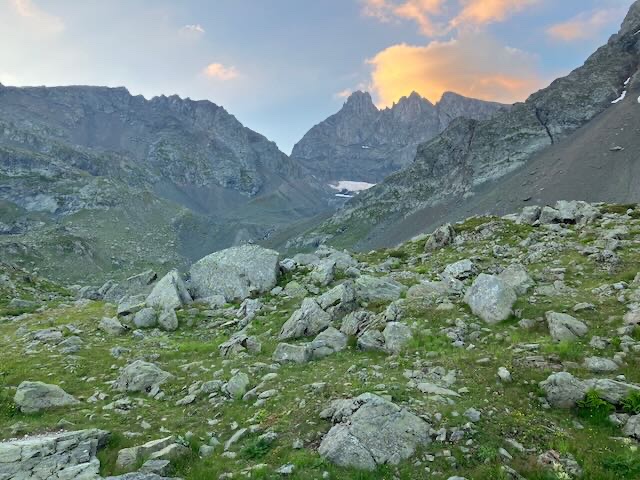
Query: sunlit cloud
column 219, row 71
column 585, row 25
column 474, row 65
column 194, row 29
column 43, row 21
column 481, row 12
column 343, row 94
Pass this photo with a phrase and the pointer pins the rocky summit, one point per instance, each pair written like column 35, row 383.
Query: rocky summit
column 495, row 347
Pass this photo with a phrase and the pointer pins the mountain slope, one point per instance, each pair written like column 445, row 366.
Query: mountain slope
column 470, row 154
column 363, row 143
column 103, row 169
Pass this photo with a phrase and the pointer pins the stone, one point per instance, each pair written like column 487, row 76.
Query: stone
column 356, row 323
column 529, row 215
column 238, row 343
column 323, row 272
column 632, row 427
column 371, row 340
column 286, row 353
column 168, row 320
column 139, row 284
column 328, row 342
column 440, row 238
column 577, row 212
column 237, row 385
column 370, row 431
column 172, row 452
column 111, row 326
column 141, row 376
column 396, row 336
column 71, row 345
column 237, row 273
column 632, row 317
column 131, row 304
column 490, row 298
column 145, row 318
column 378, row 289
column 613, row 391
column 340, row 294
column 460, row 270
column 31, row 397
column 600, row 365
column 563, row 390
column 549, row 215
column 169, row 293
column 517, row 277
column 563, row 327
column 308, row 320
column 504, row 375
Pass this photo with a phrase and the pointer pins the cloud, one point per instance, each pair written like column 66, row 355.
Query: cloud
column 439, row 17
column 474, row 65
column 585, row 25
column 343, row 94
column 43, row 21
column 221, row 72
column 194, row 29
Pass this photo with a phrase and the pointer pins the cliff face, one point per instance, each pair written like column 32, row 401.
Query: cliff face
column 363, row 143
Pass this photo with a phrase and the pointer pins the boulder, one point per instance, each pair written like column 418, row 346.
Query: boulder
column 460, row 270
column 141, row 376
column 517, row 277
column 600, row 365
column 308, row 320
column 328, row 342
column 577, row 212
column 111, row 326
column 529, row 215
column 490, row 298
column 237, row 385
column 613, row 391
column 238, row 343
column 139, row 284
column 145, row 318
column 344, row 293
column 370, row 431
column 359, row 321
column 31, row 397
column 371, row 340
column 323, row 272
column 563, row 327
column 169, row 293
column 287, row 353
column 237, row 273
column 632, row 427
column 441, row 237
column 168, row 320
column 396, row 337
column 563, row 390
column 378, row 289
column 131, row 304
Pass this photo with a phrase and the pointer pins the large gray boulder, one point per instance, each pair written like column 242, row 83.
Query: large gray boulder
column 378, row 289
column 287, row 353
column 396, row 336
column 169, row 293
column 370, row 431
column 441, row 237
column 563, row 390
column 141, row 376
column 328, row 342
column 632, row 427
column 236, row 273
column 490, row 298
column 34, row 397
column 134, row 285
column 563, row 327
column 308, row 320
column 517, row 277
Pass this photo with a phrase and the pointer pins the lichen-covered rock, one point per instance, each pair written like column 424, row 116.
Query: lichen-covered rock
column 396, row 336
column 145, row 318
column 563, row 327
column 236, row 273
column 517, row 277
column 328, row 342
column 563, row 390
column 33, row 397
column 371, row 431
column 308, row 320
column 141, row 376
column 169, row 293
column 287, row 353
column 441, row 237
column 490, row 298
column 378, row 289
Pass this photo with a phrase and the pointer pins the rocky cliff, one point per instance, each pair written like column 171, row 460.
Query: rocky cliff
column 363, row 143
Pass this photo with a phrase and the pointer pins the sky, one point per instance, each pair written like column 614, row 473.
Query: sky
column 282, row 66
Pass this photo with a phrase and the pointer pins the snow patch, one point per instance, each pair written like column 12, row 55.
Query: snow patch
column 621, row 97
column 627, row 82
column 366, row 147
column 351, row 186
column 343, row 195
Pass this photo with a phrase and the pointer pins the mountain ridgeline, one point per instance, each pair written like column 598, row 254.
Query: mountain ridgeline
column 363, row 143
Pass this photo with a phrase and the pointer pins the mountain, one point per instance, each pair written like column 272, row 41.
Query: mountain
column 86, row 173
column 363, row 143
column 555, row 145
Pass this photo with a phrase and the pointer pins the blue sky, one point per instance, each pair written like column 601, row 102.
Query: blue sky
column 282, row 66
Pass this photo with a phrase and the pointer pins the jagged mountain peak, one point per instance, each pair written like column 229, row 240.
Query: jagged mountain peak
column 360, row 103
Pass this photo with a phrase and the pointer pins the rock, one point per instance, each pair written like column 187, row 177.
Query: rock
column 549, row 215
column 613, row 391
column 157, row 467
column 145, row 318
column 306, row 259
column 139, row 284
column 51, row 336
column 172, row 452
column 490, row 298
column 169, row 293
column 460, row 270
column 111, row 326
column 294, row 290
column 563, row 327
column 632, row 427
column 396, row 337
column 473, row 415
column 358, row 322
column 504, row 375
column 577, row 212
column 378, row 289
column 529, row 215
column 141, row 376
column 328, row 342
column 70, row 345
column 23, row 304
column 560, row 463
column 31, row 397
column 600, row 365
column 563, row 390
column 168, row 320
column 308, row 320
column 632, row 317
column 53, row 456
column 441, row 237
column 371, row 340
column 238, row 343
column 237, row 273
column 291, row 353
column 370, row 431
column 323, row 272
column 340, row 294
column 128, row 458
column 131, row 304
column 237, row 385
column 517, row 277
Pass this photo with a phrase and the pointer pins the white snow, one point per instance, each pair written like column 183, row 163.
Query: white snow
column 638, row 99
column 627, row 82
column 366, row 147
column 621, row 97
column 351, row 185
column 342, row 195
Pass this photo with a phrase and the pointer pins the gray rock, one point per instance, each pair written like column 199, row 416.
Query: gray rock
column 238, row 343
column 306, row 259
column 111, row 326
column 517, row 277
column 308, row 320
column 145, row 318
column 286, row 353
column 356, row 323
column 378, row 289
column 141, row 376
column 71, row 345
column 441, row 237
column 490, row 298
column 613, row 391
column 370, row 431
column 169, row 293
column 600, row 365
column 31, row 397
column 563, row 390
column 460, row 270
column 131, row 304
column 344, row 293
column 396, row 337
column 563, row 327
column 237, row 273
column 328, row 342
column 293, row 289
column 323, row 272
column 371, row 340
column 529, row 215
column 237, row 385
column 632, row 427
column 168, row 320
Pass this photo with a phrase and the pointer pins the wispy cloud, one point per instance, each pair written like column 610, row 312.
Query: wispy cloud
column 481, row 12
column 45, row 22
column 193, row 29
column 585, row 25
column 474, row 64
column 219, row 71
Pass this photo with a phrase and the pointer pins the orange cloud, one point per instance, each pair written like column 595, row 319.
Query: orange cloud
column 584, row 25
column 220, row 72
column 480, row 12
column 420, row 11
column 473, row 65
